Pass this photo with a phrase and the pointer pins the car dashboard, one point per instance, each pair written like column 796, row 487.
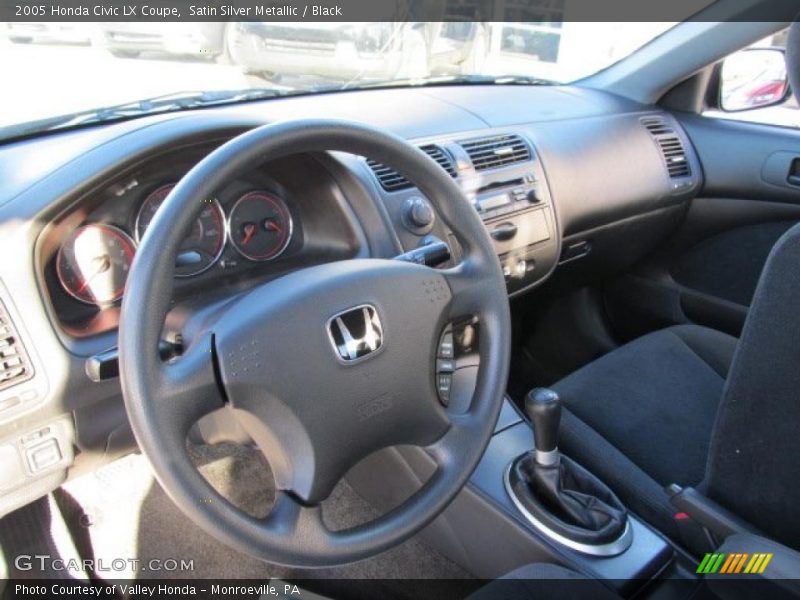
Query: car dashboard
column 570, row 183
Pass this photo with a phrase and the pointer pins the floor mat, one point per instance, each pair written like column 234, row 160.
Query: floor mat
column 33, row 532
column 125, row 513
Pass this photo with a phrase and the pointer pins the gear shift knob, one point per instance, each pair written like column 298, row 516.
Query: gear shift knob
column 543, row 407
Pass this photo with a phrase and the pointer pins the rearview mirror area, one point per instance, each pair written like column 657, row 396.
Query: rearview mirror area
column 753, row 78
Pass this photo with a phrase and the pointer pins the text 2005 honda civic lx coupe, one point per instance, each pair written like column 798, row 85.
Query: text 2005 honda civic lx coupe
column 524, row 325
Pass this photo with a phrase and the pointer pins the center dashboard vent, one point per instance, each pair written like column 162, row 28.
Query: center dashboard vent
column 14, row 364
column 671, row 147
column 392, row 181
column 496, row 151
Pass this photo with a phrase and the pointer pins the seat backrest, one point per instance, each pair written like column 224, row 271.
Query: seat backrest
column 754, row 460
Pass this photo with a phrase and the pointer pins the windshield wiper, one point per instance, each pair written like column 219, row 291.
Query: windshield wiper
column 455, row 80
column 147, row 106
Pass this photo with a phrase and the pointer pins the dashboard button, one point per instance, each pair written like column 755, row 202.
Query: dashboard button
column 43, row 456
column 9, row 402
column 446, row 345
column 444, row 381
column 445, row 365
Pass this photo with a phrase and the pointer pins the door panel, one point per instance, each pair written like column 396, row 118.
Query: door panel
column 708, row 271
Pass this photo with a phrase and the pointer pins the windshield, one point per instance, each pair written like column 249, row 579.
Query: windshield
column 63, row 74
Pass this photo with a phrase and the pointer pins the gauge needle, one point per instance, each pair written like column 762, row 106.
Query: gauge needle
column 249, row 232
column 101, row 264
column 271, row 225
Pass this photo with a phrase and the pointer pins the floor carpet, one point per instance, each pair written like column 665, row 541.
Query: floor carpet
column 123, row 512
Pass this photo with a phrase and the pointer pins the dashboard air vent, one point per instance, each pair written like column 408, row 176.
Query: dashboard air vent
column 674, row 156
column 14, row 364
column 496, row 151
column 392, row 181
column 657, row 126
column 670, row 145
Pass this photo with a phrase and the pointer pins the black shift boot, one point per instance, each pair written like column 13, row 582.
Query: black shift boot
column 557, row 492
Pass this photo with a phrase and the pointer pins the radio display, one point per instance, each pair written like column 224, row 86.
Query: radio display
column 494, row 201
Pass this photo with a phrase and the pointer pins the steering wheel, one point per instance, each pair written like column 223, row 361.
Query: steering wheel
column 315, row 395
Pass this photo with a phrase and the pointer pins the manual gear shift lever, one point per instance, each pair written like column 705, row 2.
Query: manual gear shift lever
column 559, row 497
column 543, row 407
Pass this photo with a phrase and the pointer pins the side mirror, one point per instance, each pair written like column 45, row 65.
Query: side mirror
column 753, row 78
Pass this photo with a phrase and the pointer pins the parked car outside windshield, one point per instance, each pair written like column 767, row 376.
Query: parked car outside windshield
column 114, row 63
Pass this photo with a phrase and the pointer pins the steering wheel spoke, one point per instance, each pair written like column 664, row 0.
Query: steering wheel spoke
column 445, row 450
column 466, row 290
column 189, row 388
column 289, row 516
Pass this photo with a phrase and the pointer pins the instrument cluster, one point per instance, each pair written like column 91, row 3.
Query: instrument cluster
column 93, row 260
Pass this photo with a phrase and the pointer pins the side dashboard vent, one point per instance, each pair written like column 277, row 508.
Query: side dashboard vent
column 496, row 151
column 671, row 147
column 657, row 126
column 14, row 364
column 392, row 181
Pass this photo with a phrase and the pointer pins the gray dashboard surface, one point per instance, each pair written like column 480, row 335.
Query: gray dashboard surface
column 412, row 113
column 526, row 104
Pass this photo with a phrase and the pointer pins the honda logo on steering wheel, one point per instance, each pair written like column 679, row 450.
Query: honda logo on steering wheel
column 356, row 332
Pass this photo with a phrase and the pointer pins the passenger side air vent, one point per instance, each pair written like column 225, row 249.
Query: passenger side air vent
column 14, row 364
column 670, row 145
column 657, row 126
column 496, row 151
column 392, row 181
column 674, row 156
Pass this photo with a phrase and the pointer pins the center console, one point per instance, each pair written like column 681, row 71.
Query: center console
column 625, row 562
column 503, row 178
column 518, row 214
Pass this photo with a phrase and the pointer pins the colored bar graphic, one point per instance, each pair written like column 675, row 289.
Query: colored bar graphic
column 703, row 564
column 757, row 564
column 729, row 562
column 715, row 567
column 767, row 558
column 741, row 562
column 734, row 563
column 751, row 564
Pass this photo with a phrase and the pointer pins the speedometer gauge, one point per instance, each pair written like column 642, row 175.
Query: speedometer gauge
column 93, row 263
column 203, row 246
column 260, row 226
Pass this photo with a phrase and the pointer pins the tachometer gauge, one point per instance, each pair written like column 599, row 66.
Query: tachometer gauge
column 260, row 226
column 93, row 263
column 201, row 249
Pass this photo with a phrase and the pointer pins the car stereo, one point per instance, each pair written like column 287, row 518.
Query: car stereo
column 505, row 197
